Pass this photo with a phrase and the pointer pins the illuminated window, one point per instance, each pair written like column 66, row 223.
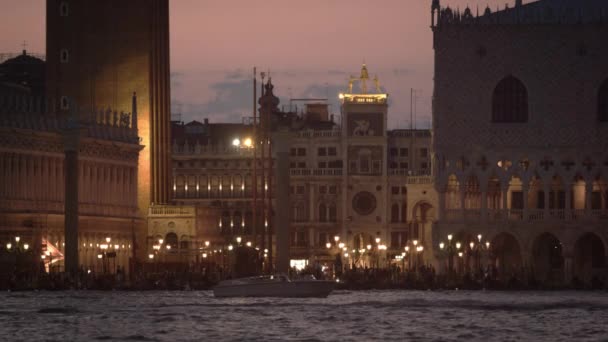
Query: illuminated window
column 64, row 9
column 64, row 56
column 510, row 101
column 602, row 102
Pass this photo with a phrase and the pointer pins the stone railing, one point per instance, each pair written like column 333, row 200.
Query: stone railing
column 315, row 172
column 319, row 134
column 171, row 211
column 530, row 215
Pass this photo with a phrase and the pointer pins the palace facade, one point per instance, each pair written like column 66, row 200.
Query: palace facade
column 520, row 136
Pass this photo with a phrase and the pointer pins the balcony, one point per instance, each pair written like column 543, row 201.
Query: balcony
column 316, row 172
column 520, row 215
column 174, row 211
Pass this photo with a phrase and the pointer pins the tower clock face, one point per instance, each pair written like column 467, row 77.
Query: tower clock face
column 364, row 203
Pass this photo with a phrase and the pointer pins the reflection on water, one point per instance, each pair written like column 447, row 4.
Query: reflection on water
column 361, row 316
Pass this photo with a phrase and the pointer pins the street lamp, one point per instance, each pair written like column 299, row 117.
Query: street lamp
column 17, row 239
column 9, row 245
column 336, row 238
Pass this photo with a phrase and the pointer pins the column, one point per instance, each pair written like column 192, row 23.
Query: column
column 568, row 267
column 525, row 189
column 505, row 205
column 588, row 191
column 311, row 201
column 568, row 209
column 484, row 201
column 462, row 198
column 71, row 200
column 441, row 213
column 546, row 190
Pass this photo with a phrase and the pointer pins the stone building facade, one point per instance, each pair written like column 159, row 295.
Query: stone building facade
column 356, row 180
column 519, row 137
column 32, row 186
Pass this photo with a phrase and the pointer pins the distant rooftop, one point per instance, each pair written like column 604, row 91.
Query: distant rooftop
column 14, row 55
column 538, row 12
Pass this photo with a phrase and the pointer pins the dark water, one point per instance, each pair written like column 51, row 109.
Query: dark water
column 344, row 316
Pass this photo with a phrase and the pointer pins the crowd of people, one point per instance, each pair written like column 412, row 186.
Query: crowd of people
column 203, row 277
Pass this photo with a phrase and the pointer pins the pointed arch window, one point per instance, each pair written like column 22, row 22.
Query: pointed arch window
column 602, row 102
column 510, row 101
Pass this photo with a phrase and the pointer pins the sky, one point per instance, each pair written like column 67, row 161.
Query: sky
column 309, row 47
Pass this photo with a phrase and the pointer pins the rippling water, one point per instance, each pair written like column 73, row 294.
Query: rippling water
column 360, row 316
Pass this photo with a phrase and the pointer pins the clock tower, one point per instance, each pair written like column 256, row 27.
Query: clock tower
column 364, row 138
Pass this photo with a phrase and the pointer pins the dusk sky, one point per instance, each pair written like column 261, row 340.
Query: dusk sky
column 310, row 47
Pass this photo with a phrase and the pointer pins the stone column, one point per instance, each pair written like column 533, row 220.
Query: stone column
column 441, row 213
column 568, row 268
column 484, row 202
column 568, row 209
column 462, row 198
column 505, row 205
column 525, row 189
column 282, row 228
column 546, row 190
column 71, row 142
column 588, row 191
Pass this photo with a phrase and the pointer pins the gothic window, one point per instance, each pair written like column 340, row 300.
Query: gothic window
column 602, row 102
column 63, row 9
column 510, row 101
column 64, row 56
column 322, row 213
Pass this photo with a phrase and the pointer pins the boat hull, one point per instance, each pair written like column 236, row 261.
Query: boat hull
column 292, row 289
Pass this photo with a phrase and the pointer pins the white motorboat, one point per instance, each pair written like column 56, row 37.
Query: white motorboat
column 273, row 286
